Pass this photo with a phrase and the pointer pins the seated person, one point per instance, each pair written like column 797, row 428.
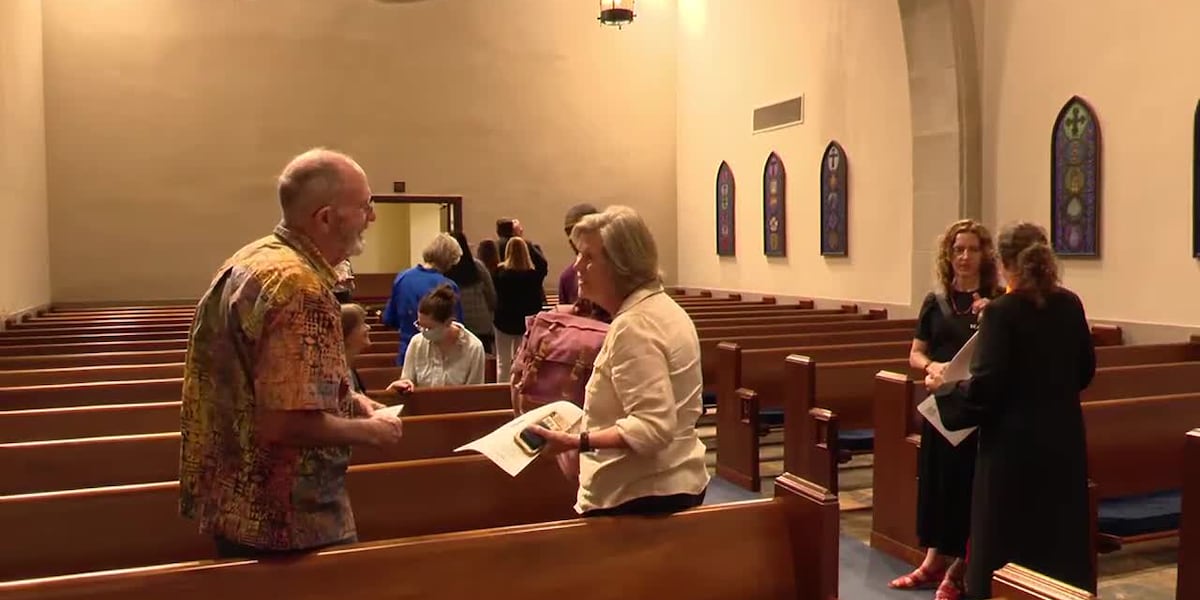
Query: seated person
column 444, row 353
column 357, row 335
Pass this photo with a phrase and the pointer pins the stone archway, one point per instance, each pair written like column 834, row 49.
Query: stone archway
column 944, row 93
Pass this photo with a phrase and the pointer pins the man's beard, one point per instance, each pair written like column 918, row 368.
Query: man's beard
column 354, row 242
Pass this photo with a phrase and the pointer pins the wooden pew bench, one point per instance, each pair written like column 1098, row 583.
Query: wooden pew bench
column 1187, row 579
column 77, row 531
column 709, row 353
column 769, row 549
column 1014, row 582
column 846, row 388
column 898, row 429
column 120, row 392
column 741, row 422
column 46, row 466
column 154, row 417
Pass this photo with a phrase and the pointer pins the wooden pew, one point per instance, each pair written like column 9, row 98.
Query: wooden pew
column 740, row 422
column 121, row 392
column 1187, row 577
column 66, row 464
column 767, row 550
column 1014, row 582
column 76, row 531
column 709, row 345
column 898, row 426
column 99, row 420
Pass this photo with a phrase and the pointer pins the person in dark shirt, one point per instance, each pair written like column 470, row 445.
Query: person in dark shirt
column 967, row 279
column 1034, row 357
column 568, row 281
column 519, row 292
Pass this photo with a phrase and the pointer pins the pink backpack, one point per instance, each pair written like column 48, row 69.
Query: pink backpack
column 554, row 361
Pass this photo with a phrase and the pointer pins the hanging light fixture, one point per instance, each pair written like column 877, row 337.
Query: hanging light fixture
column 616, row 12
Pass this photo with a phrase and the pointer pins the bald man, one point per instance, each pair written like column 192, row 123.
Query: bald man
column 268, row 418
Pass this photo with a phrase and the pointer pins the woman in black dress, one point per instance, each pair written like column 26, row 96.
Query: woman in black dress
column 967, row 280
column 1034, row 357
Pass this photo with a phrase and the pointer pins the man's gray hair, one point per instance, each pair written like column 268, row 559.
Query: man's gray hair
column 443, row 252
column 628, row 244
column 312, row 180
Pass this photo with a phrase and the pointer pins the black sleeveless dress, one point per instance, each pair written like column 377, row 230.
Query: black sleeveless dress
column 945, row 472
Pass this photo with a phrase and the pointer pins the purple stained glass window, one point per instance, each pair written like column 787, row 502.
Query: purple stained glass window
column 1075, row 184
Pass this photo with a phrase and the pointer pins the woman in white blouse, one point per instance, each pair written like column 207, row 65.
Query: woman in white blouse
column 444, row 353
column 637, row 451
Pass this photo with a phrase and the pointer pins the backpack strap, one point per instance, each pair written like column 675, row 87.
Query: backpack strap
column 955, row 322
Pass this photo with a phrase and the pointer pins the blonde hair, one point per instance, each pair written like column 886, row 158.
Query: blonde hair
column 443, row 252
column 516, row 255
column 628, row 245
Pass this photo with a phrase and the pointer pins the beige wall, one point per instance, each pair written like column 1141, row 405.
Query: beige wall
column 24, row 242
column 167, row 120
column 1130, row 63
column 387, row 241
column 848, row 60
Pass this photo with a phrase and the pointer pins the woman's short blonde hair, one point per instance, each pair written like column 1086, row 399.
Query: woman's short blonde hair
column 628, row 245
column 443, row 252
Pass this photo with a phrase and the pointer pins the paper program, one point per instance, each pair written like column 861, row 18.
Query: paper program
column 500, row 446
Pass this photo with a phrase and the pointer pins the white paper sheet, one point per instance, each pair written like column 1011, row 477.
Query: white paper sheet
column 959, row 368
column 500, row 446
column 929, row 409
column 392, row 410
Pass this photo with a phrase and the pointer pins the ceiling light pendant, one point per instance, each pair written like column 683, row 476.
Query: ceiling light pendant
column 616, row 12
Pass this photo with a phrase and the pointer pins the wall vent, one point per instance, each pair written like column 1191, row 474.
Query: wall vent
column 779, row 115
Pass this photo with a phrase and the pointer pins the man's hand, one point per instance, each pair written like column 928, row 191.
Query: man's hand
column 364, row 406
column 386, row 429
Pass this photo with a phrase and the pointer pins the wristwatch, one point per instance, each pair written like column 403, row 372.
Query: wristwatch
column 585, row 444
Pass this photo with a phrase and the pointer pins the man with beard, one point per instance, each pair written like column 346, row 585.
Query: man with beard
column 268, row 418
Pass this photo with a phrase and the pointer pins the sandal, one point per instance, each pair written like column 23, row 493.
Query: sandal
column 921, row 578
column 949, row 590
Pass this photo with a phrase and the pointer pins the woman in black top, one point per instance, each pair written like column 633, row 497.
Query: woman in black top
column 1034, row 357
column 967, row 280
column 519, row 292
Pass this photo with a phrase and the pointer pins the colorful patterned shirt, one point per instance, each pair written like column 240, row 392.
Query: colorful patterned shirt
column 267, row 336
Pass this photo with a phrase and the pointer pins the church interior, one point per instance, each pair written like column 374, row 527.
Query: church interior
column 795, row 162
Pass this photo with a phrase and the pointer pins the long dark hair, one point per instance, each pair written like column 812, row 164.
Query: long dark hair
column 464, row 272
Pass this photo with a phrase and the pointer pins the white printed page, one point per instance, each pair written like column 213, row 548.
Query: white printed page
column 929, row 409
column 500, row 446
column 959, row 368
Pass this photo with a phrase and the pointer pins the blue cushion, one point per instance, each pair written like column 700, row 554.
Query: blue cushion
column 1135, row 515
column 857, row 440
column 708, row 399
column 771, row 417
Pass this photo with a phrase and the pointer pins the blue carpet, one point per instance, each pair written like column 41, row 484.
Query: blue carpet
column 863, row 573
column 720, row 491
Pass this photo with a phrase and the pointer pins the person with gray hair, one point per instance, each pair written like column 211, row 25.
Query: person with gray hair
column 638, row 451
column 267, row 415
column 411, row 285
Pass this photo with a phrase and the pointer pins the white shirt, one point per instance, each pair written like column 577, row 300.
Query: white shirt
column 426, row 365
column 647, row 382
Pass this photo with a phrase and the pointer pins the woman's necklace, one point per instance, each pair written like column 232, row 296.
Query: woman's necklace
column 954, row 302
